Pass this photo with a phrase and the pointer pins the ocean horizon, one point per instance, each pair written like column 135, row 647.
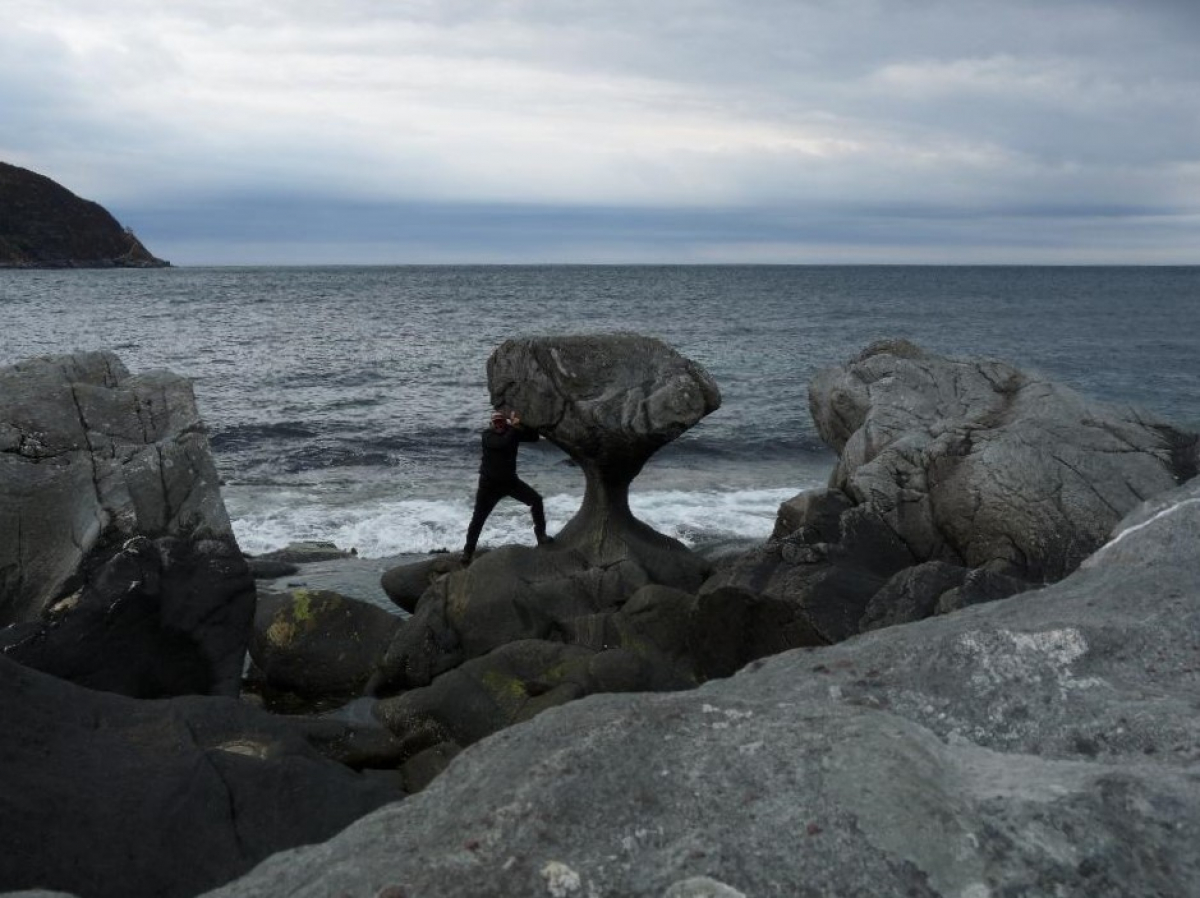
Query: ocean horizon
column 343, row 402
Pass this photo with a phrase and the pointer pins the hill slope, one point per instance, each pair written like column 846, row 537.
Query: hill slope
column 44, row 225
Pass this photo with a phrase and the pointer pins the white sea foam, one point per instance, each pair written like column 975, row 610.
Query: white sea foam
column 387, row 526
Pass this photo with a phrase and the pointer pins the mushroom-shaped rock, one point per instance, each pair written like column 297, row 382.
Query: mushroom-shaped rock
column 609, row 401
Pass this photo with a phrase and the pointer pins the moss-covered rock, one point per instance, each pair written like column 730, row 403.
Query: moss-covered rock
column 316, row 646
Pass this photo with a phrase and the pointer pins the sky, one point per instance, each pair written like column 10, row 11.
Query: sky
column 618, row 131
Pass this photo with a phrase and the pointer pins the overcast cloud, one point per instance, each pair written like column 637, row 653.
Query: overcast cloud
column 581, row 130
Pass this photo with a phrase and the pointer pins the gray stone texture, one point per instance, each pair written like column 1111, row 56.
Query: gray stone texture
column 980, row 464
column 90, row 456
column 951, row 470
column 311, row 647
column 104, row 795
column 609, row 401
column 1045, row 744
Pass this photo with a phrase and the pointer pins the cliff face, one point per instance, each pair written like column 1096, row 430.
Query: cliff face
column 44, row 225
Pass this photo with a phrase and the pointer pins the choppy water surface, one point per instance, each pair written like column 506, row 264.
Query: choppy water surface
column 343, row 403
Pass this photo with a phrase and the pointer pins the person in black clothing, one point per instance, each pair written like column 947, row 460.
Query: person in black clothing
column 498, row 478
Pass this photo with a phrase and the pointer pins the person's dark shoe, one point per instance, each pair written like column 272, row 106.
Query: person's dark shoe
column 544, row 540
column 466, row 558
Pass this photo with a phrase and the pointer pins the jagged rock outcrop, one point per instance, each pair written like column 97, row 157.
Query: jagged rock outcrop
column 110, row 512
column 1042, row 744
column 160, row 618
column 980, row 464
column 44, row 225
column 110, row 796
column 1006, row 478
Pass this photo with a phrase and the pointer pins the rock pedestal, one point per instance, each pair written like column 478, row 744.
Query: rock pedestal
column 609, row 401
column 543, row 623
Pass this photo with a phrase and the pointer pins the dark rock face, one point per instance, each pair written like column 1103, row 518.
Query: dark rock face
column 957, row 482
column 509, row 594
column 44, row 225
column 316, row 645
column 160, row 618
column 1042, row 744
column 405, row 584
column 610, row 402
column 109, row 796
column 110, row 512
column 522, row 630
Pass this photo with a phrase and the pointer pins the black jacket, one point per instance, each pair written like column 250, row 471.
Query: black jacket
column 499, row 460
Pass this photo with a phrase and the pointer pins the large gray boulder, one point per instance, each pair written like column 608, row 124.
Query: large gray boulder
column 91, row 456
column 980, row 464
column 610, row 402
column 1046, row 744
column 118, row 565
column 159, row 618
column 952, row 470
column 106, row 795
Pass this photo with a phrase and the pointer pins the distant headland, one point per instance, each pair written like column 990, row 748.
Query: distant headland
column 44, row 225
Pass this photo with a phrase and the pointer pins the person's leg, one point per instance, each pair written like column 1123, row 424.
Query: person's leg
column 523, row 492
column 486, row 497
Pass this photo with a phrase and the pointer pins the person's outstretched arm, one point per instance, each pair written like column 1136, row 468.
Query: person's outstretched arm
column 525, row 434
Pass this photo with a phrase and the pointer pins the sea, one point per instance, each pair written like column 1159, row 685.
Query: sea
column 343, row 404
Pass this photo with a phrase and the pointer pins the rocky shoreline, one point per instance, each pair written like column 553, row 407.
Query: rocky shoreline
column 966, row 667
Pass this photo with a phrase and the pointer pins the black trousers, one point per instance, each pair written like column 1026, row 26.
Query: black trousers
column 492, row 491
